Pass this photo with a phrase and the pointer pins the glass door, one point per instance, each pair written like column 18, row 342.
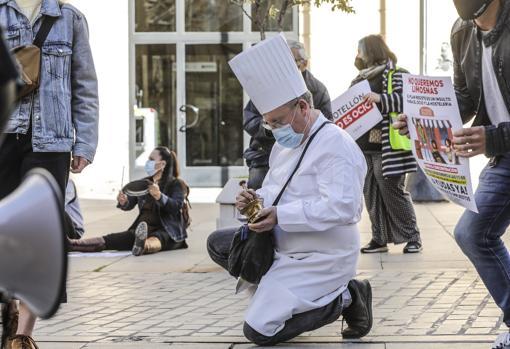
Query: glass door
column 185, row 95
column 155, row 109
column 215, row 102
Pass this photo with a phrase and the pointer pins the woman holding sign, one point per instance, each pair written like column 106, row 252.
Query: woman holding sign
column 389, row 206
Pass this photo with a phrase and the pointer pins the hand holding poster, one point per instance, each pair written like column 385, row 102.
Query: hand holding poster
column 352, row 113
column 432, row 116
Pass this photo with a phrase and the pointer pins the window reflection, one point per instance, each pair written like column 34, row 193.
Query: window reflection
column 213, row 15
column 155, row 119
column 216, row 139
column 155, row 15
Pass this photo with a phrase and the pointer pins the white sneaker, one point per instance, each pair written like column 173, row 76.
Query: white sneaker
column 502, row 342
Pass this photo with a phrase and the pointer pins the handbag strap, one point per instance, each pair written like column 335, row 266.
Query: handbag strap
column 44, row 30
column 299, row 162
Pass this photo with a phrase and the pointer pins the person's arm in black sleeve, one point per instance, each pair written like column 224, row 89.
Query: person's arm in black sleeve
column 253, row 123
column 172, row 199
column 466, row 103
column 131, row 203
column 8, row 71
column 8, row 86
column 497, row 139
column 324, row 102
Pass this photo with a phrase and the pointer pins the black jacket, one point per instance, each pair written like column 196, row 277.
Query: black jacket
column 8, row 75
column 262, row 140
column 169, row 208
column 467, row 41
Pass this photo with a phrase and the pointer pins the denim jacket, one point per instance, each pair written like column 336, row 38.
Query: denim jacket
column 64, row 111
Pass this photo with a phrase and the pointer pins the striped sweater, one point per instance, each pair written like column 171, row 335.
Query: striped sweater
column 394, row 163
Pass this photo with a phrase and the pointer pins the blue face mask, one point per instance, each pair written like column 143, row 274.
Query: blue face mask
column 287, row 137
column 150, row 167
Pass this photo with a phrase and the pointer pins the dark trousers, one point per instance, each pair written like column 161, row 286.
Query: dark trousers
column 389, row 205
column 256, row 177
column 17, row 159
column 124, row 241
column 218, row 246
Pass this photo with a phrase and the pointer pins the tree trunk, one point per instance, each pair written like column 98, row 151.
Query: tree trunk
column 281, row 14
column 261, row 9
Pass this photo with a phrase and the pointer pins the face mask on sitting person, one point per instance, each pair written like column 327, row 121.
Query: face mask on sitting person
column 150, row 167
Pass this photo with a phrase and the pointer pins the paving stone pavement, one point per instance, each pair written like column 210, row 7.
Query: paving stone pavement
column 440, row 306
column 182, row 300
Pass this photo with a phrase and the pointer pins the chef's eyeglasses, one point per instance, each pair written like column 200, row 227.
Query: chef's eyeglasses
column 277, row 124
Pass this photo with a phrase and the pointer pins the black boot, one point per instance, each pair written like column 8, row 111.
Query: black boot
column 359, row 315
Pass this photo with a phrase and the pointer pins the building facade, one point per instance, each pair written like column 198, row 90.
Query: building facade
column 164, row 77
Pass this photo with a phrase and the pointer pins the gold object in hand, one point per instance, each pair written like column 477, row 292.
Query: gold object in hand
column 252, row 209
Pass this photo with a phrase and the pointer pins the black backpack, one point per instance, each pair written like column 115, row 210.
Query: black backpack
column 186, row 207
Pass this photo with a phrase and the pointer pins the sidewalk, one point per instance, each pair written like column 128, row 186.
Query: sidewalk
column 180, row 299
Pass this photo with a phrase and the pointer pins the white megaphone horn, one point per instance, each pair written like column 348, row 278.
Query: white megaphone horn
column 33, row 259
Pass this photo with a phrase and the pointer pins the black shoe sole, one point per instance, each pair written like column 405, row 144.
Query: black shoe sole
column 406, row 251
column 140, row 237
column 370, row 316
column 375, row 250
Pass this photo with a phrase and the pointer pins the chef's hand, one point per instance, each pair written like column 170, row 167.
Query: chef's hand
column 78, row 164
column 266, row 220
column 401, row 125
column 469, row 142
column 154, row 191
column 122, row 198
column 244, row 197
column 373, row 97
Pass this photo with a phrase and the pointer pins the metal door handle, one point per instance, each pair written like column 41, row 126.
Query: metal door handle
column 195, row 110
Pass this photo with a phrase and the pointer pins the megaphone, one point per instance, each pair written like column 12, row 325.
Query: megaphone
column 33, row 258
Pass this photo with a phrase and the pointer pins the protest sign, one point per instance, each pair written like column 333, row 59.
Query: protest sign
column 433, row 114
column 352, row 113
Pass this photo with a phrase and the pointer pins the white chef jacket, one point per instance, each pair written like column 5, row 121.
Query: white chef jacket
column 316, row 239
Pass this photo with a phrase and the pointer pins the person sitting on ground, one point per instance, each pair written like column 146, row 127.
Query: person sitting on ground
column 161, row 224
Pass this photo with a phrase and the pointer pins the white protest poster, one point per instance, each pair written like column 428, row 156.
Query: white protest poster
column 433, row 114
column 353, row 114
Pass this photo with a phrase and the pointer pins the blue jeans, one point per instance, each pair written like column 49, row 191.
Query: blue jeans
column 479, row 234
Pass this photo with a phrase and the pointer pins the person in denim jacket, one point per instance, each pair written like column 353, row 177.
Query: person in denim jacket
column 55, row 127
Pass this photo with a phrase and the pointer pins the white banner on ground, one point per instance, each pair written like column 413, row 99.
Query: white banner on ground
column 353, row 114
column 433, row 114
column 100, row 254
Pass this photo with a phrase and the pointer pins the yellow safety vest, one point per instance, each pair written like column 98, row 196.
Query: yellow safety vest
column 397, row 141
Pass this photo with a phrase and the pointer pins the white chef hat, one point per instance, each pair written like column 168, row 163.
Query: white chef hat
column 269, row 74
